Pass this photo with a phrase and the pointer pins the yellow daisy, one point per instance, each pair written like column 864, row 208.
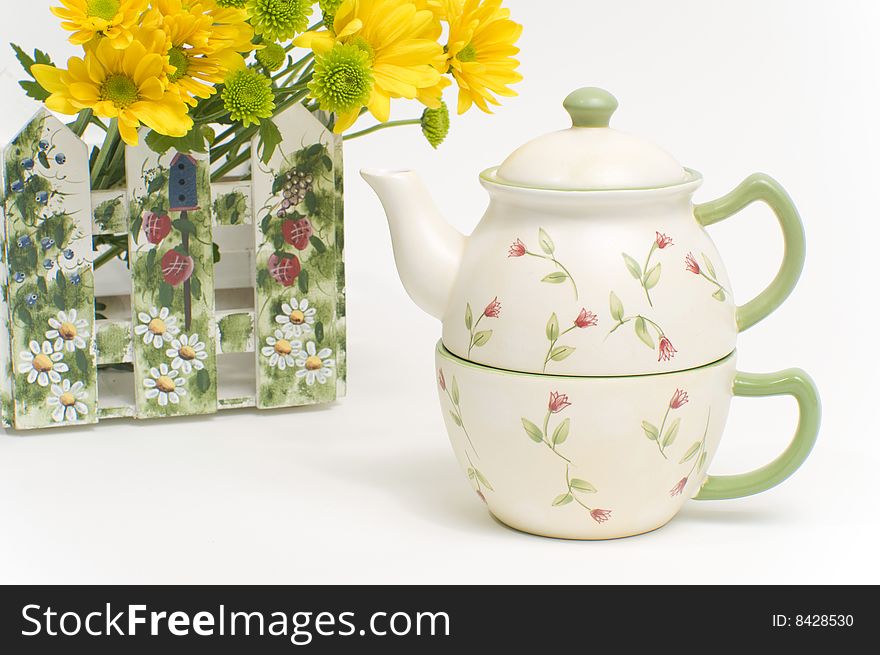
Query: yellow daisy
column 112, row 19
column 197, row 57
column 481, row 50
column 129, row 85
column 401, row 42
column 231, row 30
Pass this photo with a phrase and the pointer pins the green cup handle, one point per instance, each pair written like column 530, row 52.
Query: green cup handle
column 791, row 382
column 760, row 187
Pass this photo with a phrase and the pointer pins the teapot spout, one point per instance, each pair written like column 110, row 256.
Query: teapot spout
column 427, row 250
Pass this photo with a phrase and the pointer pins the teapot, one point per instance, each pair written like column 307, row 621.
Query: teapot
column 588, row 351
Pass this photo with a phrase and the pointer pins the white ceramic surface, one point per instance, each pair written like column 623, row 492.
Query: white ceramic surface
column 605, row 477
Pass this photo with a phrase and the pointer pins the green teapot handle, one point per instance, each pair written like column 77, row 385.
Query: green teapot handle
column 791, row 382
column 760, row 187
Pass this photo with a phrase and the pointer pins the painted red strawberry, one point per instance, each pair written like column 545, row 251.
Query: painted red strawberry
column 156, row 227
column 176, row 267
column 284, row 268
column 297, row 233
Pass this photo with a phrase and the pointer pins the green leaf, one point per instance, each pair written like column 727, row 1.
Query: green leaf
column 151, row 259
column 652, row 277
column 709, row 268
column 616, row 307
column 278, row 184
column 166, row 294
column 553, row 328
column 320, row 248
column 319, row 331
column 557, row 277
column 468, row 317
column 453, row 391
column 560, row 434
column 642, row 332
column 270, row 137
column 215, row 252
column 230, row 200
column 33, row 90
column 82, row 361
column 562, row 499
column 651, row 430
column 482, row 337
column 483, row 480
column 633, row 266
column 671, row 433
column 546, row 242
column 561, row 352
column 157, row 183
column 532, row 430
column 303, row 281
column 25, row 317
column 195, row 287
column 455, row 418
column 690, row 453
column 43, row 158
column 328, row 163
column 702, row 462
column 311, row 202
column 471, row 473
column 136, row 227
column 582, row 485
column 192, row 141
column 184, row 225
column 719, row 295
column 203, row 380
column 41, row 285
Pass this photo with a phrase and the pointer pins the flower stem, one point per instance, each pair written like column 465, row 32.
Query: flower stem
column 108, row 255
column 547, row 443
column 111, row 139
column 382, row 126
column 660, row 434
column 82, row 122
column 473, row 329
column 645, row 273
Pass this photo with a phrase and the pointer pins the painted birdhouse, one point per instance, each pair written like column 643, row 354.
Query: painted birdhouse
column 182, row 189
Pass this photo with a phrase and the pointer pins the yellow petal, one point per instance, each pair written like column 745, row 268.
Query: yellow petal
column 49, row 77
column 84, row 92
column 346, row 120
column 319, row 42
column 379, row 105
column 128, row 132
column 151, row 89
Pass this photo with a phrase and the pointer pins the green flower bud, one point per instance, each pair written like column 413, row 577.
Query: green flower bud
column 435, row 124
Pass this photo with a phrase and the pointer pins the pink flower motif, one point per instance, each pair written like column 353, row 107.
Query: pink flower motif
column 493, row 309
column 600, row 515
column 442, row 380
column 518, row 249
column 679, row 398
column 691, row 264
column 679, row 487
column 663, row 241
column 586, row 319
column 667, row 352
column 558, row 402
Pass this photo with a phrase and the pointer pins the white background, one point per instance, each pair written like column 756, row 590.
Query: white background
column 367, row 491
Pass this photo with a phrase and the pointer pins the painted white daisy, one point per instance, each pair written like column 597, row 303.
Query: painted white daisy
column 187, row 353
column 314, row 364
column 158, row 327
column 297, row 318
column 164, row 386
column 280, row 351
column 42, row 363
column 68, row 331
column 67, row 399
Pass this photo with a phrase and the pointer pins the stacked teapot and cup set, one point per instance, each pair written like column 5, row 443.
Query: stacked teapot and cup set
column 588, row 355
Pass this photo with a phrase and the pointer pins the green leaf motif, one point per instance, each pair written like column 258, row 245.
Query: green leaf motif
column 270, row 137
column 553, row 328
column 453, row 389
column 555, row 278
column 671, row 433
column 82, row 361
column 455, row 418
column 651, row 430
column 690, row 453
column 471, row 473
column 482, row 337
column 320, row 248
column 616, row 307
column 652, row 277
column 582, row 485
column 151, row 259
column 44, row 159
column 483, row 480
column 195, row 287
column 532, row 430
column 303, row 281
column 561, row 352
column 719, row 295
column 633, row 266
column 642, row 332
column 468, row 317
column 709, row 268
column 184, row 225
column 560, row 434
column 546, row 242
column 25, row 317
column 41, row 285
column 319, row 331
column 166, row 294
column 702, row 461
column 203, row 380
column 562, row 499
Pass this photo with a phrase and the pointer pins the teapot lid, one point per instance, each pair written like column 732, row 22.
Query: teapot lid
column 590, row 155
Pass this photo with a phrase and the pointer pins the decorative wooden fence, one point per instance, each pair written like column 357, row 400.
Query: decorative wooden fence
column 174, row 332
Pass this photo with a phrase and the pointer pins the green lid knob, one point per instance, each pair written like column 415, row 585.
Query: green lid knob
column 590, row 107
